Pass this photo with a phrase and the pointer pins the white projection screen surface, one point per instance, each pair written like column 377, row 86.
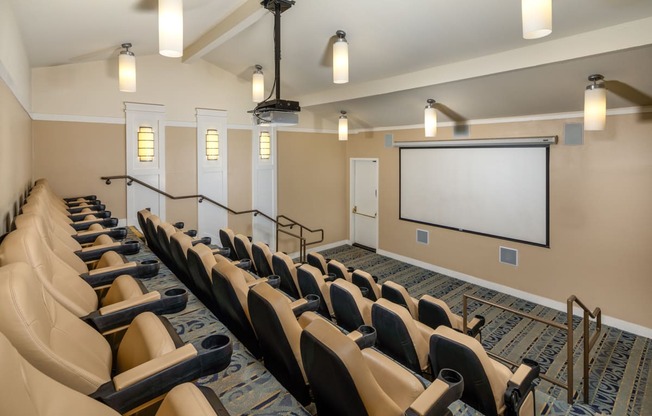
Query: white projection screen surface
column 495, row 191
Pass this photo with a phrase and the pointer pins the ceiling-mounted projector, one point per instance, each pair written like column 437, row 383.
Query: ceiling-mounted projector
column 277, row 112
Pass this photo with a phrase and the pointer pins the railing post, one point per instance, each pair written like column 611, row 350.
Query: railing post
column 587, row 349
column 569, row 349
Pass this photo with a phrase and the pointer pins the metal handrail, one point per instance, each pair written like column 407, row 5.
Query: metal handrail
column 200, row 198
column 568, row 327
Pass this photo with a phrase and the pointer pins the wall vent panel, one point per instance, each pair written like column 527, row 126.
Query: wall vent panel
column 508, row 256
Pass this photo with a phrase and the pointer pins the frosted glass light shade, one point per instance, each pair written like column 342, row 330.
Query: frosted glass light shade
column 340, row 61
column 145, row 144
column 127, row 71
column 258, row 87
column 537, row 18
column 343, row 128
column 430, row 121
column 170, row 28
column 595, row 108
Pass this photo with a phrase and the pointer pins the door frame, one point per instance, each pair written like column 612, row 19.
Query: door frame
column 352, row 162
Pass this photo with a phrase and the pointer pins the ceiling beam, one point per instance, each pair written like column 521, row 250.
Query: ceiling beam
column 623, row 36
column 242, row 18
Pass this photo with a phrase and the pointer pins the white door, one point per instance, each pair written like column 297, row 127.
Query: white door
column 364, row 202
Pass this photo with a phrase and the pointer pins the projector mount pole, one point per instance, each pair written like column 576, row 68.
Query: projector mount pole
column 277, row 49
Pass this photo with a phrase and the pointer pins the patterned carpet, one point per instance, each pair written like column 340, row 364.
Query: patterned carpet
column 621, row 363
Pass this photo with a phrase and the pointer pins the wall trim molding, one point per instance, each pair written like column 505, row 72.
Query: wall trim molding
column 498, row 120
column 553, row 304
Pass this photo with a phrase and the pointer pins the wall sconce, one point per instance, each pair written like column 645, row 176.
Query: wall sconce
column 343, row 127
column 127, row 69
column 258, row 85
column 537, row 18
column 212, row 144
column 170, row 28
column 145, row 144
column 430, row 119
column 340, row 59
column 264, row 145
column 595, row 103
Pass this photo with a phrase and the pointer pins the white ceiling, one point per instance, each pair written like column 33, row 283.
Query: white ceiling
column 468, row 55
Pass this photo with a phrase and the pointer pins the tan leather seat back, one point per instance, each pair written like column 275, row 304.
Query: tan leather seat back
column 407, row 299
column 455, row 320
column 146, row 339
column 25, row 391
column 235, row 277
column 318, row 258
column 62, row 281
column 318, row 279
column 47, row 335
column 184, row 240
column 244, row 241
column 363, row 305
column 206, row 255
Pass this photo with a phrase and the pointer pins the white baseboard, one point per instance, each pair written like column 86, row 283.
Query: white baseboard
column 553, row 304
column 122, row 222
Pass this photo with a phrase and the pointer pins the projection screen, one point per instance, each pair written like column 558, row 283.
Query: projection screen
column 494, row 191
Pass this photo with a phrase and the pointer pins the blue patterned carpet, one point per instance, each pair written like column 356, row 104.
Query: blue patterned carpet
column 621, row 363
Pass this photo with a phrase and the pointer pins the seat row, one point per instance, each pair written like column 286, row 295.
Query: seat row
column 272, row 323
column 79, row 325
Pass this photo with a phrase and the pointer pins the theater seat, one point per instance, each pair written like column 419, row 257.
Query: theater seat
column 339, row 270
column 149, row 360
column 62, row 281
column 490, row 387
column 243, row 248
column 262, row 257
column 315, row 259
column 25, row 391
column 348, row 380
column 286, row 269
column 275, row 321
column 227, row 238
column 312, row 281
column 351, row 309
column 401, row 337
column 363, row 279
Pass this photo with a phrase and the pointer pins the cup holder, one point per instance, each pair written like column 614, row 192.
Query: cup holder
column 224, row 251
column 214, row 342
column 130, row 247
column 177, row 291
column 148, row 268
column 330, row 277
column 274, row 281
column 192, row 233
column 244, row 264
column 152, row 261
column 364, row 291
column 312, row 298
column 350, row 269
column 368, row 338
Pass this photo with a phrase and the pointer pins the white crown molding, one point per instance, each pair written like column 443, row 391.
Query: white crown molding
column 553, row 304
column 77, row 118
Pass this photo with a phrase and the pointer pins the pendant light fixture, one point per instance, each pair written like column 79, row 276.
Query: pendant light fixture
column 343, row 127
column 258, row 85
column 595, row 103
column 127, row 69
column 340, row 59
column 170, row 28
column 537, row 18
column 430, row 119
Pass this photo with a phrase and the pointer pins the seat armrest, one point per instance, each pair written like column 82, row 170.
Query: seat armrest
column 310, row 303
column 474, row 326
column 223, row 251
column 434, row 401
column 151, row 367
column 120, row 314
column 179, row 225
column 364, row 336
column 204, row 240
column 84, row 237
column 106, row 275
column 520, row 383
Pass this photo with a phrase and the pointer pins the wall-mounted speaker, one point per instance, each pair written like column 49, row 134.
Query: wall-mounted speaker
column 508, row 255
column 389, row 140
column 573, row 134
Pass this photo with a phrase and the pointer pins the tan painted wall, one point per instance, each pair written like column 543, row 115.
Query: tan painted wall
column 239, row 178
column 15, row 156
column 181, row 174
column 73, row 157
column 312, row 185
column 600, row 221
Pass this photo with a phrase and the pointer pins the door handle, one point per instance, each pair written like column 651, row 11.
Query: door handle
column 355, row 211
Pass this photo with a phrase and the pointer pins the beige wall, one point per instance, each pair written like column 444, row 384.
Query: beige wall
column 181, row 174
column 312, row 185
column 15, row 156
column 239, row 177
column 73, row 157
column 600, row 221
